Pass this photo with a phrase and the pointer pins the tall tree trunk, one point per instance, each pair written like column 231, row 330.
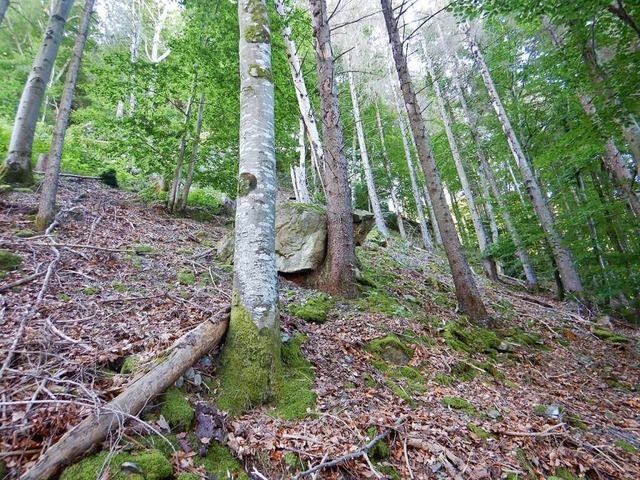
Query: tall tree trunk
column 338, row 273
column 487, row 175
column 18, row 163
column 4, row 5
column 250, row 368
column 174, row 191
column 488, row 264
column 387, row 167
column 569, row 274
column 364, row 156
column 50, row 186
column 469, row 300
column 299, row 172
column 304, row 104
column 182, row 205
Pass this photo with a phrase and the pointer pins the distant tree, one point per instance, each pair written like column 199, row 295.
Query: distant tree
column 4, row 5
column 50, row 186
column 17, row 168
column 467, row 294
column 337, row 275
column 250, row 362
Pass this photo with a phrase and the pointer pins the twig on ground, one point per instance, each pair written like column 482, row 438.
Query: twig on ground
column 406, row 459
column 22, row 281
column 64, row 336
column 545, row 433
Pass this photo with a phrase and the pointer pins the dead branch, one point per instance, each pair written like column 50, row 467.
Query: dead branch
column 87, row 435
column 71, row 175
column 545, row 433
column 22, row 281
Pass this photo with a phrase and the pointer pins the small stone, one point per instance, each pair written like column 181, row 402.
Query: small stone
column 494, row 414
column 180, row 382
column 130, row 467
column 189, row 374
column 604, row 321
column 206, row 361
column 508, row 347
column 553, row 412
column 348, row 359
column 435, row 467
column 197, row 379
column 285, row 337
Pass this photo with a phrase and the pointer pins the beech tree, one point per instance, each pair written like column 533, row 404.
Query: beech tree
column 467, row 294
column 337, row 275
column 50, row 186
column 17, row 167
column 250, row 362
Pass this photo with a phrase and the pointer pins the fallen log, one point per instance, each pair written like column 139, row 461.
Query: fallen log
column 87, row 435
column 71, row 175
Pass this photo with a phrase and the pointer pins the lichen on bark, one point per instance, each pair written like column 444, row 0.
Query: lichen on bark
column 258, row 31
column 250, row 369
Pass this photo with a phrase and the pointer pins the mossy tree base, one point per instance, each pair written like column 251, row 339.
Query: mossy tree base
column 250, row 368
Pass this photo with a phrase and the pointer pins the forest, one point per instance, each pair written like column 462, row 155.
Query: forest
column 342, row 239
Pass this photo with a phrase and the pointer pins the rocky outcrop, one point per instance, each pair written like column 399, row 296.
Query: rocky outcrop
column 301, row 234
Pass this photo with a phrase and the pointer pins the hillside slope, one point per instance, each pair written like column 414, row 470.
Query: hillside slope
column 549, row 393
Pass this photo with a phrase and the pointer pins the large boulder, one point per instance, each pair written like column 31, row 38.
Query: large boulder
column 301, row 236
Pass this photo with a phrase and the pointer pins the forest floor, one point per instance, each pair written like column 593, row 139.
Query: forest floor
column 550, row 392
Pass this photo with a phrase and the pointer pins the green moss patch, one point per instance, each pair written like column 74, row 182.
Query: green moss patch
column 25, row 233
column 380, row 450
column 176, row 409
column 296, row 396
column 186, row 277
column 314, row 309
column 476, row 340
column 610, row 336
column 444, row 380
column 626, row 446
column 153, row 463
column 9, row 261
column 218, row 461
column 479, row 432
column 90, row 290
column 250, row 368
column 458, row 403
column 129, row 365
column 399, row 391
column 390, row 349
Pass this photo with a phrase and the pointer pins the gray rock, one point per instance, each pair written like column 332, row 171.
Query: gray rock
column 301, row 233
column 179, row 383
column 225, row 247
column 363, row 222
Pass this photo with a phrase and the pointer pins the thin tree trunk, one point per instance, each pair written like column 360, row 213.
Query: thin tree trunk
column 174, row 192
column 47, row 203
column 459, row 220
column 182, row 205
column 488, row 177
column 469, row 300
column 299, row 172
column 4, row 5
column 364, row 157
column 18, row 163
column 304, row 104
column 338, row 272
column 489, row 265
column 569, row 274
column 387, row 167
column 250, row 369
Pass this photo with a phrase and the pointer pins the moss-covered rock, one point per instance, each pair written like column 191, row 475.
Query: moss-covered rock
column 25, row 233
column 313, row 309
column 391, row 349
column 153, row 463
column 458, row 403
column 610, row 336
column 296, row 396
column 250, row 368
column 475, row 340
column 9, row 261
column 176, row 409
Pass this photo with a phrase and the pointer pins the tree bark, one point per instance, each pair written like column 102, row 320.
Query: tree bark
column 387, row 167
column 299, row 172
column 487, row 175
column 47, row 203
column 174, row 192
column 88, row 434
column 338, row 272
column 568, row 273
column 469, row 300
column 304, row 104
column 182, row 205
column 4, row 5
column 489, row 265
column 18, row 163
column 364, row 156
column 250, row 369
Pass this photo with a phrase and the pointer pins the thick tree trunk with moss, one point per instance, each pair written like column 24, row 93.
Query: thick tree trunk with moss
column 250, row 368
column 89, row 434
column 337, row 275
column 467, row 294
column 50, row 186
column 489, row 265
column 387, row 167
column 18, row 163
column 366, row 164
column 562, row 256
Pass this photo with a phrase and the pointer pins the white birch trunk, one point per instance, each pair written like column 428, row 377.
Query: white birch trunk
column 569, row 274
column 469, row 299
column 156, row 56
column 481, row 235
column 304, row 104
column 387, row 167
column 250, row 362
column 299, row 172
column 18, row 163
column 50, row 186
column 184, row 198
column 364, row 156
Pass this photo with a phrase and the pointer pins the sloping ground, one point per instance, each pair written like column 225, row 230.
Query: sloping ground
column 545, row 396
